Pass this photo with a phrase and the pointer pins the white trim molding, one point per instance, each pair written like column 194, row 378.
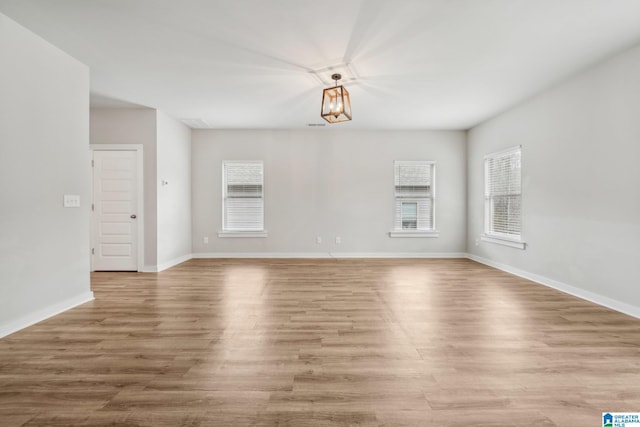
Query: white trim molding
column 336, row 255
column 613, row 304
column 504, row 151
column 241, row 234
column 405, row 233
column 262, row 255
column 512, row 243
column 116, row 147
column 398, row 255
column 44, row 313
column 173, row 262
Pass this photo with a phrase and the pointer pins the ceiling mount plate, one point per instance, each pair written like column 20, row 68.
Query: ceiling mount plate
column 325, row 75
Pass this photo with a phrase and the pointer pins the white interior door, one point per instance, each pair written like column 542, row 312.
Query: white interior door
column 115, row 211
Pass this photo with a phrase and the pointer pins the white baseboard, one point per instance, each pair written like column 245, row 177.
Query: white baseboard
column 62, row 306
column 262, row 255
column 613, row 304
column 45, row 313
column 164, row 265
column 339, row 255
column 398, row 255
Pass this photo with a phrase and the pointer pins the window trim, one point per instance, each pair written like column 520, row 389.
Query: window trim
column 224, row 233
column 413, row 233
column 494, row 237
column 498, row 240
column 433, row 232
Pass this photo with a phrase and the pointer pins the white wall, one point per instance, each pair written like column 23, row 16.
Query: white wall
column 328, row 183
column 44, row 128
column 174, row 198
column 580, row 152
column 134, row 126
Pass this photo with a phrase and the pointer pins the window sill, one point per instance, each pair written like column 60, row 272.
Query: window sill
column 243, row 234
column 512, row 243
column 399, row 233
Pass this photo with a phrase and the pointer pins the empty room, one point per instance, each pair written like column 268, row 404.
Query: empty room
column 302, row 213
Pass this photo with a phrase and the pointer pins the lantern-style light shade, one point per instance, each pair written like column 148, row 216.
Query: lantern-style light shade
column 336, row 104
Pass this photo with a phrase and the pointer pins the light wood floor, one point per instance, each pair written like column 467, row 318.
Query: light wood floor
column 322, row 343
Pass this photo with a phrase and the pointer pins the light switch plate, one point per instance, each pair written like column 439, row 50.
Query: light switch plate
column 71, row 201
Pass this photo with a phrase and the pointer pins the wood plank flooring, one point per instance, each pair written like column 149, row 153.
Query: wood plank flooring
column 322, row 343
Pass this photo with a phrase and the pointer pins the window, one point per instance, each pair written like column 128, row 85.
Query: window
column 503, row 195
column 409, row 215
column 414, row 198
column 242, row 198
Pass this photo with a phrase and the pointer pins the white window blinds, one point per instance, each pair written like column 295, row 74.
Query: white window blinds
column 414, row 195
column 243, row 201
column 503, row 193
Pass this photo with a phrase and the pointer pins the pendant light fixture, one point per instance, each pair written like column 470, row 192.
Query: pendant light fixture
column 336, row 104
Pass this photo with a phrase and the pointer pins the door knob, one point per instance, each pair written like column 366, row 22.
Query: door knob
column 134, row 216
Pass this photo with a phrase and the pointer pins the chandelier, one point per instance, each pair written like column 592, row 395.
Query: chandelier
column 336, row 104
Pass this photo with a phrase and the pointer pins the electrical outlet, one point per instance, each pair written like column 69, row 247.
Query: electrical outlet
column 477, row 242
column 71, row 201
column 318, row 240
column 338, row 240
column 205, row 240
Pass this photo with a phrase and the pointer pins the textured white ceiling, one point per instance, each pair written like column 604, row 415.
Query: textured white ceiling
column 412, row 64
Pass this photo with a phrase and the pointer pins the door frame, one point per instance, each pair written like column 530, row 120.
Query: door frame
column 139, row 195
